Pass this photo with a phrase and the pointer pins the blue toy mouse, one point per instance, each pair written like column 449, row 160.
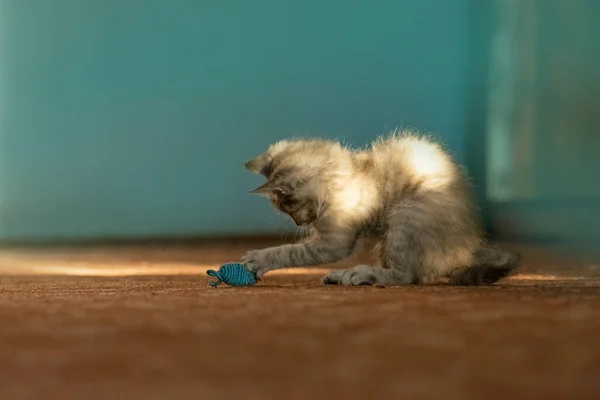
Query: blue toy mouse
column 234, row 274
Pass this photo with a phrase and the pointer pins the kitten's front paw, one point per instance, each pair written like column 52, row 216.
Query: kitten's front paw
column 255, row 261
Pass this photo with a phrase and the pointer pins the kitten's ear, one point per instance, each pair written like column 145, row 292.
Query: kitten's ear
column 260, row 164
column 268, row 187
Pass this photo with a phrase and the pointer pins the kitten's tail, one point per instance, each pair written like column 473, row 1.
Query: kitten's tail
column 491, row 265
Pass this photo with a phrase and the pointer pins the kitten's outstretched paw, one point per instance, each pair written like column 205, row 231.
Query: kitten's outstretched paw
column 255, row 261
column 334, row 277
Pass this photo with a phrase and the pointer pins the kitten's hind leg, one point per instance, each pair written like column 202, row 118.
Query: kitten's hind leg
column 359, row 275
column 401, row 255
column 397, row 260
column 362, row 275
column 410, row 230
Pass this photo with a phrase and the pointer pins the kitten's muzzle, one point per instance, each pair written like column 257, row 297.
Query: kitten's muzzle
column 303, row 220
column 298, row 221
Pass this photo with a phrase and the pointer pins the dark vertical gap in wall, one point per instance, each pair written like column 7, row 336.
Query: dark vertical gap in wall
column 479, row 31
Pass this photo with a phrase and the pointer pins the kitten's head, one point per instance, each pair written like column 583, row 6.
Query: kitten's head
column 297, row 177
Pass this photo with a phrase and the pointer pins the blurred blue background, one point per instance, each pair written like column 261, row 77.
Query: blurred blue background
column 133, row 118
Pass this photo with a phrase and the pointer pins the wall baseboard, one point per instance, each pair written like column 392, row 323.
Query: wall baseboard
column 573, row 224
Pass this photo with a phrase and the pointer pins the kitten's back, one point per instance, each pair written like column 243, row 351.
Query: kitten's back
column 407, row 160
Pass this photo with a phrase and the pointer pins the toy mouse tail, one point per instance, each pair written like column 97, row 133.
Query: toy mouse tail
column 212, row 282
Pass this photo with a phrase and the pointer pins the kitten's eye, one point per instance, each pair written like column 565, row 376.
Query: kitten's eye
column 283, row 199
column 280, row 193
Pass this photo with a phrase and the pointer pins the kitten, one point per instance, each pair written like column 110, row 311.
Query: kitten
column 405, row 190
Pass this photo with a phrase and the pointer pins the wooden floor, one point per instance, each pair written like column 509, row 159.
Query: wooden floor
column 140, row 322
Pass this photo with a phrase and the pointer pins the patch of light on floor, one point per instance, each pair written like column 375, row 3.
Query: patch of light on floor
column 536, row 277
column 127, row 269
column 106, row 270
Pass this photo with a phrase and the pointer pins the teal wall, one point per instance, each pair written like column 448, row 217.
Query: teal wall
column 133, row 118
column 544, row 121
